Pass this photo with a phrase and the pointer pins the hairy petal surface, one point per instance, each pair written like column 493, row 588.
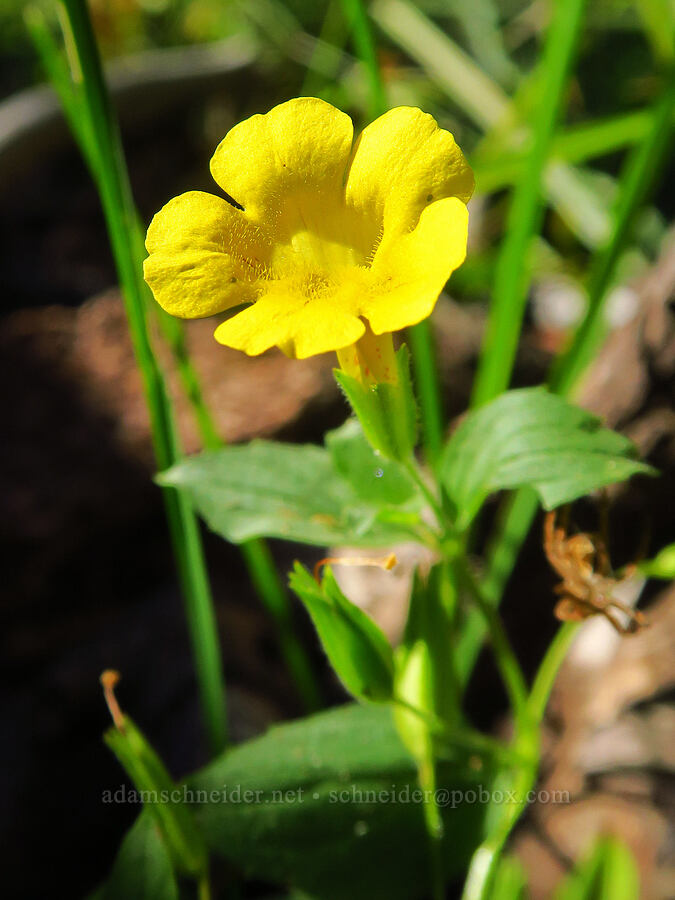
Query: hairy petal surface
column 410, row 271
column 190, row 268
column 286, row 167
column 300, row 327
column 400, row 164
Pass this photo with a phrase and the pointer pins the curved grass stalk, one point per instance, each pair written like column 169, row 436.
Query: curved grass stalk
column 257, row 558
column 101, row 140
column 637, row 176
column 525, row 213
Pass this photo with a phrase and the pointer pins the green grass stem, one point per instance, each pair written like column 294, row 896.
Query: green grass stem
column 103, row 142
column 638, row 175
column 356, row 16
column 518, row 511
column 526, row 212
column 505, row 120
column 257, row 558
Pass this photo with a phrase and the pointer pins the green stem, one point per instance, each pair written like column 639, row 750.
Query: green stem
column 204, row 888
column 485, row 859
column 519, row 511
column 258, row 560
column 456, row 737
column 421, row 342
column 333, row 35
column 513, row 524
column 265, row 578
column 548, row 669
column 507, row 661
column 357, row 17
column 435, row 505
column 426, row 776
column 525, row 213
column 120, row 214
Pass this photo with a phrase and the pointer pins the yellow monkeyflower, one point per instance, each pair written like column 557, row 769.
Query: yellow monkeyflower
column 324, row 241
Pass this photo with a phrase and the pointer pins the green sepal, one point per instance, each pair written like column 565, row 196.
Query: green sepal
column 150, row 777
column 358, row 651
column 387, row 412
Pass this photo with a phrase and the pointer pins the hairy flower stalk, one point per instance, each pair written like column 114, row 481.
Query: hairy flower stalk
column 321, row 242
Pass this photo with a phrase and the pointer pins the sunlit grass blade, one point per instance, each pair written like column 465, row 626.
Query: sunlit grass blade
column 639, row 173
column 355, row 14
column 325, row 63
column 428, row 389
column 265, row 578
column 578, row 144
column 120, row 215
column 513, row 525
column 449, row 66
column 525, row 213
column 257, row 558
column 277, row 24
column 504, row 120
column 658, row 20
column 519, row 511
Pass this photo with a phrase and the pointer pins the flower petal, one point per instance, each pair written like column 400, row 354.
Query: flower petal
column 190, row 269
column 302, row 327
column 402, row 162
column 410, row 272
column 286, row 168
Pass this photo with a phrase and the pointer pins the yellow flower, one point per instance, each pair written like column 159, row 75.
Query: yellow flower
column 326, row 241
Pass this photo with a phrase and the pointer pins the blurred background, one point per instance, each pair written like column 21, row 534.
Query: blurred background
column 88, row 576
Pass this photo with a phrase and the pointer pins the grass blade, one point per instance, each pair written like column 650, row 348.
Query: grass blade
column 520, row 509
column 365, row 47
column 258, row 560
column 447, row 64
column 105, row 149
column 638, row 175
column 525, row 213
column 505, row 120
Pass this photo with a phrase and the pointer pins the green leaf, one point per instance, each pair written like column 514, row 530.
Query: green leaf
column 662, row 565
column 609, row 873
column 280, row 490
column 532, row 437
column 344, row 821
column 358, row 651
column 375, row 479
column 142, row 869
